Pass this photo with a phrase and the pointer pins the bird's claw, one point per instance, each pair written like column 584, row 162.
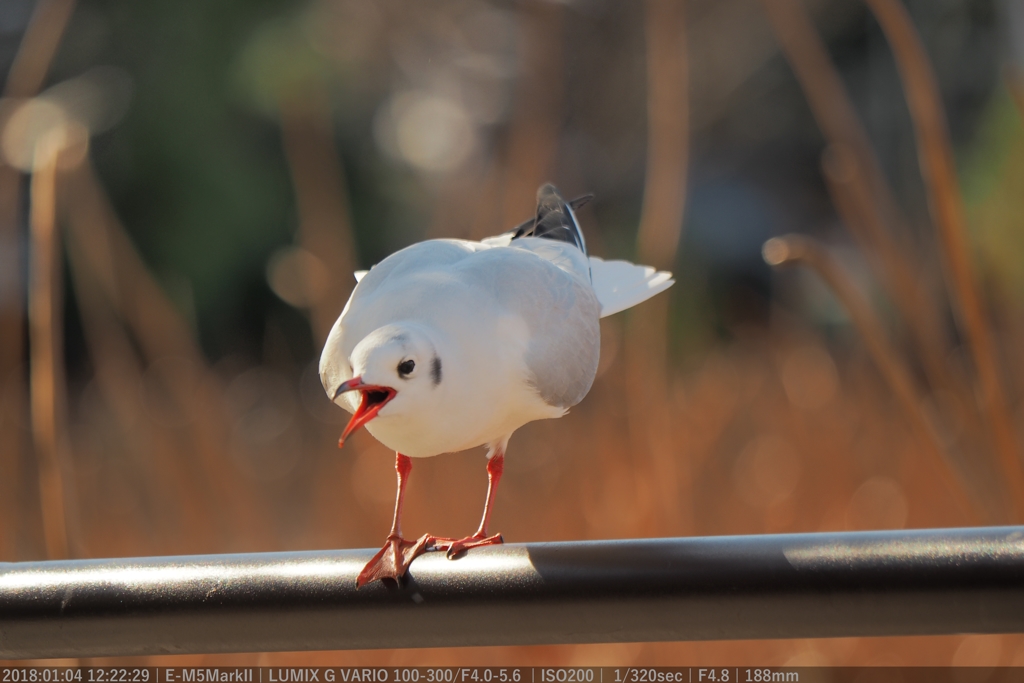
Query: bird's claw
column 453, row 547
column 393, row 560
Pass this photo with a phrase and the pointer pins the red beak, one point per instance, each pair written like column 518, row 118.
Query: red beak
column 374, row 398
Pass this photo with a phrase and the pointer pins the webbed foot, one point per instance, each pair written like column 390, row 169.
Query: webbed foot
column 393, row 560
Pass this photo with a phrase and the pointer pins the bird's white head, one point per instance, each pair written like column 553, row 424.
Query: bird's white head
column 395, row 371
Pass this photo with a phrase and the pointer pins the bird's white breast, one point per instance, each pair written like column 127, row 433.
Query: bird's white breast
column 484, row 397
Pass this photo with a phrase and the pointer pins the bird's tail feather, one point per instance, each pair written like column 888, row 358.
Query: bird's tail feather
column 620, row 284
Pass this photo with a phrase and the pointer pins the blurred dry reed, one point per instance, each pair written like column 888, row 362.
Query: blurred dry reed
column 160, row 474
column 12, row 371
column 861, row 193
column 658, row 238
column 46, row 352
column 864, row 201
column 799, row 249
column 172, row 358
column 938, row 170
column 38, row 46
column 25, row 78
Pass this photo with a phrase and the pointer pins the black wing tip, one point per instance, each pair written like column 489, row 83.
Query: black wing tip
column 548, row 194
column 581, row 201
column 555, row 219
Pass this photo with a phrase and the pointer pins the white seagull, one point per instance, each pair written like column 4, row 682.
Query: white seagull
column 452, row 344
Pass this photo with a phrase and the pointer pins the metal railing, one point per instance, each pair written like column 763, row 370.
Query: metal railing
column 738, row 587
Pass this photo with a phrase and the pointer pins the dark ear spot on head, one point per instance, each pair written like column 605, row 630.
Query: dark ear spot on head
column 435, row 370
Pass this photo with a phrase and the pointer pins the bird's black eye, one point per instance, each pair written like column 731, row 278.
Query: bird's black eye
column 406, row 367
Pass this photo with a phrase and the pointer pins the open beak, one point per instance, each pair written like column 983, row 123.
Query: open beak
column 374, row 398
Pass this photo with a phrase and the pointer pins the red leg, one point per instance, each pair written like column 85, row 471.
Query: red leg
column 495, row 467
column 394, row 558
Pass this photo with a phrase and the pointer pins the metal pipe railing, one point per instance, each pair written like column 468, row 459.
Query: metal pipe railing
column 738, row 587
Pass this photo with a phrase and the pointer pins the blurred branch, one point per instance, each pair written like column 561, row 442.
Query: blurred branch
column 532, row 141
column 799, row 249
column 661, row 221
column 859, row 189
column 661, row 226
column 853, row 201
column 47, row 384
column 25, row 78
column 38, row 47
column 12, row 350
column 325, row 225
column 939, row 173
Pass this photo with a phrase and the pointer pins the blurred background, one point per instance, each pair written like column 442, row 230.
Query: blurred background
column 186, row 188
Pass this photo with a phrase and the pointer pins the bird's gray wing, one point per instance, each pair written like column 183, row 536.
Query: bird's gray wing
column 560, row 310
